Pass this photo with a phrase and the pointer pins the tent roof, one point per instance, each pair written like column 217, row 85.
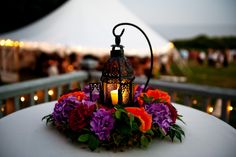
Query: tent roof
column 87, row 25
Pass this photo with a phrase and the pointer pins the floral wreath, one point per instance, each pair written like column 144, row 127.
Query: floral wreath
column 85, row 120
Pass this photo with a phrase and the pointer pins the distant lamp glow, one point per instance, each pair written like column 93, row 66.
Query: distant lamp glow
column 2, row 109
column 230, row 108
column 195, row 102
column 70, row 67
column 50, row 92
column 210, row 109
column 36, row 98
column 22, row 99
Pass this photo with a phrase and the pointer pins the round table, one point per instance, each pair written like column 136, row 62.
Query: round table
column 23, row 133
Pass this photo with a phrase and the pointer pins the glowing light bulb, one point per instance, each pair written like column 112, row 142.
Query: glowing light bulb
column 22, row 99
column 50, row 92
column 36, row 97
column 195, row 102
column 2, row 109
column 210, row 109
column 230, row 108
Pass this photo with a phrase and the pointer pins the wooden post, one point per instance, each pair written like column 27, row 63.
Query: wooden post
column 59, row 91
column 1, row 105
column 225, row 111
column 206, row 101
column 45, row 95
column 32, row 99
column 187, row 101
column 172, row 95
column 17, row 103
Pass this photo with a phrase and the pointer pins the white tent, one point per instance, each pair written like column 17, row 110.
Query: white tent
column 87, row 26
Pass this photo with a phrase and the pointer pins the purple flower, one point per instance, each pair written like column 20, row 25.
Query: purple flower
column 63, row 108
column 102, row 123
column 95, row 93
column 138, row 89
column 161, row 115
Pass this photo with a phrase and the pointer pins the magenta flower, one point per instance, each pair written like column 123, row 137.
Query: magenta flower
column 102, row 123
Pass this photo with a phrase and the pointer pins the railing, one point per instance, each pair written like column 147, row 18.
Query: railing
column 187, row 91
column 15, row 91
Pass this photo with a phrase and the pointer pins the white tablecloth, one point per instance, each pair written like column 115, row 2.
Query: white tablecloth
column 23, row 134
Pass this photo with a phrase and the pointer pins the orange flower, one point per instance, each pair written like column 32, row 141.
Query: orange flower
column 79, row 94
column 156, row 94
column 144, row 117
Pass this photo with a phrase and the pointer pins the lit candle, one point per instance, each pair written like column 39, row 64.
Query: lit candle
column 114, row 97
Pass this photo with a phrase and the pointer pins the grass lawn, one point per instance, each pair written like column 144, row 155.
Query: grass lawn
column 205, row 75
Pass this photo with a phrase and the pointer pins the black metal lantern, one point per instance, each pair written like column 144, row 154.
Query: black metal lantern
column 117, row 78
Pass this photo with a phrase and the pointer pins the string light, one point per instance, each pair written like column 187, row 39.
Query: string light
column 2, row 42
column 11, row 43
column 210, row 109
column 50, row 92
column 22, row 99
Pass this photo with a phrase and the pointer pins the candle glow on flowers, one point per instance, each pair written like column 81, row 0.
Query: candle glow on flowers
column 85, row 120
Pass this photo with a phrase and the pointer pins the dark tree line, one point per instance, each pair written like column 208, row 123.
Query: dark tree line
column 205, row 42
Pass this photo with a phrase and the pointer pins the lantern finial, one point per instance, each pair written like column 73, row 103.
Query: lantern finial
column 117, row 40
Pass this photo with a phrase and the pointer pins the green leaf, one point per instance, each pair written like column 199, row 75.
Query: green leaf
column 118, row 114
column 178, row 117
column 48, row 118
column 93, row 142
column 150, row 132
column 176, row 132
column 83, row 138
column 147, row 99
column 178, row 136
column 144, row 141
column 162, row 132
column 125, row 130
column 135, row 126
column 172, row 134
column 131, row 120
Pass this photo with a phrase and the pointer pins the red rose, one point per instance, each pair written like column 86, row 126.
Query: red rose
column 80, row 116
column 173, row 111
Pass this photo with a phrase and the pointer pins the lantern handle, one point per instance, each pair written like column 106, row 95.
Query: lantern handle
column 149, row 44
